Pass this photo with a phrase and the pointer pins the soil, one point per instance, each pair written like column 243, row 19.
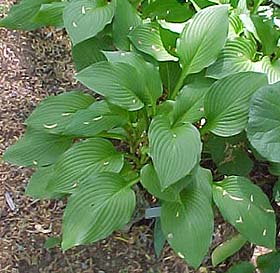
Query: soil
column 34, row 65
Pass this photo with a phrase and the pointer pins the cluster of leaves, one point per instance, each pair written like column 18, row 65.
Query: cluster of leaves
column 180, row 82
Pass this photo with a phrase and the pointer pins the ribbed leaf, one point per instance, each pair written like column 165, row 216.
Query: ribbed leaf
column 196, row 47
column 188, row 225
column 227, row 102
column 227, row 248
column 271, row 69
column 126, row 18
column 84, row 19
column 119, row 83
column 152, row 89
column 21, row 15
column 95, row 119
column 146, row 38
column 37, row 148
column 104, row 204
column 247, row 208
column 85, row 158
column 269, row 263
column 264, row 122
column 235, row 25
column 55, row 112
column 175, row 151
column 236, row 56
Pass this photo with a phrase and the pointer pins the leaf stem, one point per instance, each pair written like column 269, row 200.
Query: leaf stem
column 112, row 136
column 180, row 82
column 133, row 182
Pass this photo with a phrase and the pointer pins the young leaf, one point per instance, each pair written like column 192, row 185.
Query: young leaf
column 50, row 14
column 272, row 69
column 247, row 208
column 174, row 150
column 85, row 158
column 188, row 225
column 226, row 249
column 126, row 19
column 55, row 112
column 269, row 263
column 264, row 122
column 106, row 203
column 21, row 15
column 196, row 47
column 244, row 267
column 159, row 238
column 227, row 102
column 37, row 148
column 84, row 19
column 52, row 242
column 146, row 38
column 120, row 83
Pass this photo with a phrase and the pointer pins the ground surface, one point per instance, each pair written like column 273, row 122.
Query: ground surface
column 32, row 66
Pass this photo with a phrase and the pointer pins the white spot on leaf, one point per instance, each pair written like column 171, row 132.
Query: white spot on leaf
column 264, row 232
column 106, row 163
column 181, row 255
column 235, row 198
column 74, row 24
column 83, row 10
column 50, row 126
column 170, row 236
column 240, row 220
column 97, row 118
column 86, row 123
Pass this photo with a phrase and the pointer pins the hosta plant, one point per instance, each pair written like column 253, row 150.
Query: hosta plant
column 177, row 88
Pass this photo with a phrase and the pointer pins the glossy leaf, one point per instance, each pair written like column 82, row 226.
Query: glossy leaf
column 196, row 47
column 269, row 263
column 227, row 102
column 146, row 38
column 84, row 19
column 244, row 267
column 37, row 148
column 85, row 158
column 106, row 203
column 174, row 150
column 264, row 122
column 188, row 225
column 247, row 208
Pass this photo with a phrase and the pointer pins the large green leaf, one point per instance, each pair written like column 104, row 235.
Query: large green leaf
column 174, row 150
column 269, row 263
column 237, row 56
column 264, row 122
column 55, row 112
column 188, row 225
column 196, row 46
column 227, row 248
column 126, row 18
column 50, row 14
column 104, row 204
column 247, row 208
column 227, row 102
column 37, row 148
column 85, row 158
column 146, row 38
column 84, row 19
column 95, row 119
column 120, row 83
column 152, row 89
column 243, row 267
column 21, row 15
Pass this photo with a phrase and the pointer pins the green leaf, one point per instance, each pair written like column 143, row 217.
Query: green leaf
column 52, row 242
column 271, row 69
column 227, row 102
column 54, row 113
column 235, row 26
column 106, row 204
column 274, row 168
column 170, row 10
column 159, row 238
column 99, row 117
column 276, row 191
column 146, row 38
column 237, row 56
column 269, row 263
column 85, row 158
column 175, row 151
column 37, row 148
column 50, row 14
column 189, row 104
column 247, row 208
column 244, row 267
column 84, row 19
column 126, row 18
column 264, row 122
column 226, row 249
column 196, row 47
column 188, row 225
column 120, row 83
column 38, row 183
column 21, row 15
column 152, row 90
